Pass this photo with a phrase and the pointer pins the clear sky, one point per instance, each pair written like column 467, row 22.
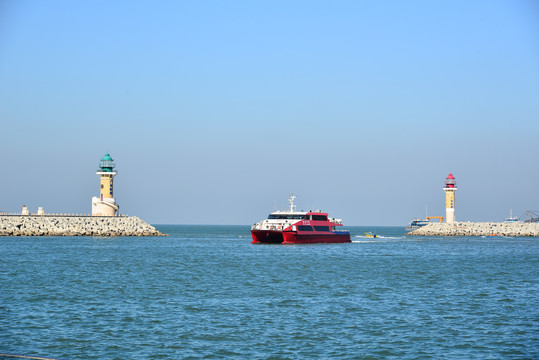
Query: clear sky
column 216, row 111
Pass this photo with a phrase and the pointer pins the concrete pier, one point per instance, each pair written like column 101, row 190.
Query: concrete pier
column 47, row 225
column 477, row 229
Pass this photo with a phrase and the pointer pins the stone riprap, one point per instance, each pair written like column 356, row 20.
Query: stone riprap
column 477, row 229
column 39, row 225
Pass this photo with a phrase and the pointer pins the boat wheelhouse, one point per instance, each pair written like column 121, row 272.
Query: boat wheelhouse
column 298, row 227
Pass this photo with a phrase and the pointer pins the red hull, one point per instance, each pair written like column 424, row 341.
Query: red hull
column 266, row 237
column 292, row 237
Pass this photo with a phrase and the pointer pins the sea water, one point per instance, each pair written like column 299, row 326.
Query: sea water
column 207, row 292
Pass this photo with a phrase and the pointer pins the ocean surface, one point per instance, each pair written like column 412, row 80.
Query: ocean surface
column 206, row 292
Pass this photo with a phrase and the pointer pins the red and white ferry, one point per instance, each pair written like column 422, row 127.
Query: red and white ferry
column 298, row 227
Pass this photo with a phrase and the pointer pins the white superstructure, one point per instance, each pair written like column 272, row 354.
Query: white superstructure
column 280, row 219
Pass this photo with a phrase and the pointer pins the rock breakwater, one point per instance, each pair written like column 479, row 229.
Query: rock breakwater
column 477, row 229
column 45, row 225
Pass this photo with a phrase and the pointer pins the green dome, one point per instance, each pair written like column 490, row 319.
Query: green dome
column 106, row 157
column 106, row 164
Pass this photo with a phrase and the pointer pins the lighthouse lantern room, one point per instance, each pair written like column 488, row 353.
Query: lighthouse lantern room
column 450, row 187
column 105, row 205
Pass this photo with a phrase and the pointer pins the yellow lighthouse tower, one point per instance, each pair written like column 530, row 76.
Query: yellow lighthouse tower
column 105, row 205
column 450, row 188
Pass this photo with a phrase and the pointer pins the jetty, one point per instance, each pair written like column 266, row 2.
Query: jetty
column 477, row 229
column 55, row 225
column 105, row 219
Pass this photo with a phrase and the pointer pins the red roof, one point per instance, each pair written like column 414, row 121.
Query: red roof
column 450, row 176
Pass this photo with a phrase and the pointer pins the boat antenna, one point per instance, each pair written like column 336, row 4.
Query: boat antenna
column 291, row 200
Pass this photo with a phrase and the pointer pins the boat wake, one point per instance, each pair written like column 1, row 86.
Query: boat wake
column 378, row 237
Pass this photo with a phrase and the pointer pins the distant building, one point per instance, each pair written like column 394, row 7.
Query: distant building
column 105, row 205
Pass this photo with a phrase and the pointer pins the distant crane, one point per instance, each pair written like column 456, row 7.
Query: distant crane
column 532, row 215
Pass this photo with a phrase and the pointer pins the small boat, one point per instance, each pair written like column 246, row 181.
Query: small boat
column 370, row 235
column 511, row 219
column 416, row 224
column 298, row 227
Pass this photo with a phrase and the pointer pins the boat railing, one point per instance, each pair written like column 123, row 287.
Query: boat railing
column 341, row 231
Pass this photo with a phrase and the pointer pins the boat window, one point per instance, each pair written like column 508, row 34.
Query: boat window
column 321, row 228
column 285, row 216
column 304, row 228
column 306, row 217
column 320, row 217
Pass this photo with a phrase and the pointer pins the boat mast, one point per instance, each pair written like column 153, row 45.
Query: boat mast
column 291, row 200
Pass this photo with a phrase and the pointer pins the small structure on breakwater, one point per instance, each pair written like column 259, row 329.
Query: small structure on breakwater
column 477, row 229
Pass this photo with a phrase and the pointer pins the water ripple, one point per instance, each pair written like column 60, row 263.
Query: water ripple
column 206, row 292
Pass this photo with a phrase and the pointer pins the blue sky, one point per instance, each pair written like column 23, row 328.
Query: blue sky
column 215, row 112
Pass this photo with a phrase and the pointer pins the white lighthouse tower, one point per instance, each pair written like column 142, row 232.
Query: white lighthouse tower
column 450, row 188
column 105, row 205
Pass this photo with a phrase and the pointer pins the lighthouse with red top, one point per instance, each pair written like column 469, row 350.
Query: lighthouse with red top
column 450, row 187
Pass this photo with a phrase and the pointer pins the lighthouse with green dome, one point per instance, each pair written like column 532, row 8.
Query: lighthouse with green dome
column 105, row 205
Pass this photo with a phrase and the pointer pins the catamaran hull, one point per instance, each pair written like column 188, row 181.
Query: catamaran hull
column 266, row 237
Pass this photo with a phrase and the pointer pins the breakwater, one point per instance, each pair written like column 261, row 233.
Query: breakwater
column 477, row 229
column 48, row 225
